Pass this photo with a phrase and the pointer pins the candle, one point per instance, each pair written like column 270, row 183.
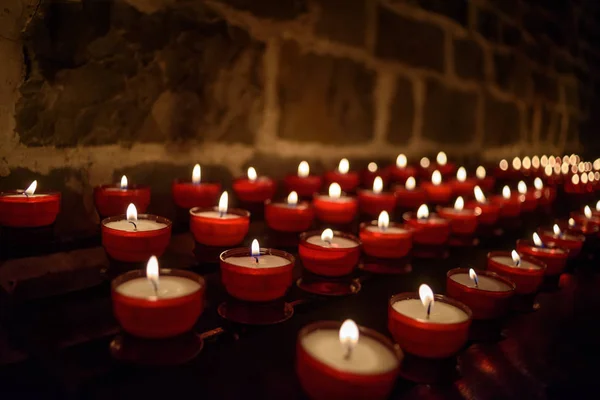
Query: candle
column 159, row 304
column 133, row 237
column 565, row 240
column 488, row 211
column 409, row 197
column 402, row 171
column 545, row 195
column 335, row 208
column 373, row 171
column 256, row 274
column 483, row 180
column 290, row 216
column 586, row 219
column 330, row 253
column 27, row 209
column 589, row 231
column 111, row 200
column 384, row 240
column 219, row 226
column 462, row 221
column 486, row 293
column 346, row 362
column 462, row 185
column 303, row 183
column 526, row 272
column 347, row 180
column 443, row 165
column 254, row 189
column 554, row 258
column 372, row 202
column 429, row 229
column 437, row 192
column 510, row 206
column 528, row 198
column 195, row 193
column 428, row 326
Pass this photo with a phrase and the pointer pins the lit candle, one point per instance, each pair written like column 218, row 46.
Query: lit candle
column 384, row 240
column 372, row 202
column 463, row 222
column 290, row 216
column 28, row 209
column 195, row 193
column 409, row 196
column 303, row 182
column 565, row 240
column 329, row 253
column 373, row 172
column 111, row 200
column 528, row 197
column 335, row 207
column 254, row 190
column 132, row 224
column 554, row 258
column 429, row 229
column 342, row 175
column 462, row 185
column 488, row 211
column 437, row 192
column 510, row 206
column 526, row 272
column 484, row 181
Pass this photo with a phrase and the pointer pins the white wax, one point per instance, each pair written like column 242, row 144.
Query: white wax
column 142, row 225
column 342, row 199
column 25, row 197
column 432, row 220
column 169, row 287
column 485, row 283
column 441, row 313
column 337, row 242
column 115, row 189
column 369, row 357
column 299, row 206
column 215, row 214
column 546, row 250
column 508, row 261
column 264, row 261
column 464, row 211
column 388, row 230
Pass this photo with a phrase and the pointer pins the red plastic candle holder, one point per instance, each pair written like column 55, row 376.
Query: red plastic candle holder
column 367, row 177
column 430, row 231
column 484, row 304
column 554, row 258
column 189, row 195
column 136, row 246
column 289, row 218
column 256, row 191
column 487, row 184
column 462, row 222
column 219, row 231
column 335, row 211
column 20, row 211
column 348, row 181
column 386, row 244
column 437, row 194
column 570, row 241
column 546, row 196
column 111, row 200
column 323, row 382
column 464, row 188
column 589, row 231
column 424, row 339
column 582, row 220
column 409, row 199
column 371, row 203
column 328, row 261
column 400, row 175
column 157, row 318
column 509, row 208
column 527, row 280
column 256, row 284
column 529, row 201
column 488, row 212
column 304, row 186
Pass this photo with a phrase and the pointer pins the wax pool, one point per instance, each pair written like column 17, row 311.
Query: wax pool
column 395, row 241
column 322, row 258
column 528, row 275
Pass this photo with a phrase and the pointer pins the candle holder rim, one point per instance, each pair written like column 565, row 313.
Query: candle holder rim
column 156, row 218
column 438, row 297
column 529, row 242
column 303, row 237
column 483, row 272
column 246, row 251
column 523, row 256
column 407, row 216
column 577, row 236
column 181, row 181
column 237, row 211
column 130, row 187
column 270, row 202
column 318, row 195
column 7, row 193
column 383, row 192
column 393, row 224
column 451, row 209
column 259, row 178
column 141, row 273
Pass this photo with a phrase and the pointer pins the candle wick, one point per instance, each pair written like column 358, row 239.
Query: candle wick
column 256, row 260
column 155, row 286
column 221, row 214
column 348, row 352
column 476, row 282
column 518, row 263
column 328, row 242
column 26, row 195
column 134, row 225
column 429, row 309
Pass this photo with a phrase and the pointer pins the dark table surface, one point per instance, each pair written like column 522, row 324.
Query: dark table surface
column 58, row 347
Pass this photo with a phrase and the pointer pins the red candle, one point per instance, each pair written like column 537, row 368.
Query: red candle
column 462, row 221
column 346, row 362
column 486, row 293
column 586, row 219
column 150, row 305
column 463, row 186
column 27, row 209
column 113, row 200
column 587, row 230
column 372, row 202
column 384, row 240
column 438, row 334
column 331, row 253
column 135, row 238
column 488, row 212
column 429, row 229
column 564, row 240
column 347, row 180
column 195, row 193
column 335, row 208
column 401, row 171
column 409, row 197
column 373, row 171
column 256, row 274
column 291, row 216
column 254, row 189
column 446, row 168
column 526, row 272
column 437, row 192
column 529, row 198
column 510, row 205
column 219, row 226
column 554, row 258
column 303, row 183
column 487, row 183
column 545, row 195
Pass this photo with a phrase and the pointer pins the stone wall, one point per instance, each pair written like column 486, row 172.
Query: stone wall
column 94, row 88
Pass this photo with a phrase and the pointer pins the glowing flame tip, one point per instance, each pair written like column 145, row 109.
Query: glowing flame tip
column 423, row 212
column 196, row 174
column 410, row 183
column 335, row 190
column 132, row 214
column 31, row 189
column 344, row 166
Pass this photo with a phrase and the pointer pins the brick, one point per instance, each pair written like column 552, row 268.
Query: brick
column 402, row 113
column 343, row 21
column 545, row 86
column 324, row 98
column 275, row 9
column 449, row 115
column 502, row 122
column 488, row 25
column 571, row 95
column 511, row 35
column 550, row 126
column 453, row 9
column 512, row 74
column 415, row 43
column 468, row 59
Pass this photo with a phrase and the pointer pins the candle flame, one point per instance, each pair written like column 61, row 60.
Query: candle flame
column 522, row 187
column 548, row 170
column 571, row 222
column 223, row 202
column 436, row 177
column 344, row 166
column 441, row 158
column 327, row 235
column 383, row 222
column 564, row 169
column 31, row 189
column 459, row 204
column 252, row 175
column 544, row 160
column 596, row 164
column 152, row 273
column 539, row 185
column 461, row 174
column 516, row 163
column 132, row 213
column 535, row 162
column 598, row 206
column 473, row 276
column 372, row 167
column 516, row 258
column 575, row 179
column 401, row 161
column 480, row 172
column 196, row 174
column 423, row 212
column 335, row 191
column 537, row 241
column 425, row 163
column 503, row 164
column 479, row 196
column 506, row 192
column 581, row 167
column 587, row 211
column 124, row 182
column 255, row 248
column 556, row 230
column 303, row 169
column 584, row 178
column 426, row 295
column 410, row 183
column 348, row 336
column 292, row 198
column 377, row 185
column 526, row 162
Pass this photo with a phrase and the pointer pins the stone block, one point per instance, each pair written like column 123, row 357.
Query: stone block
column 415, row 43
column 571, row 95
column 402, row 113
column 343, row 21
column 456, row 10
column 511, row 35
column 562, row 64
column 468, row 59
column 324, row 98
column 550, row 126
column 508, row 7
column 275, row 9
column 488, row 25
column 449, row 115
column 545, row 86
column 502, row 122
column 512, row 73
